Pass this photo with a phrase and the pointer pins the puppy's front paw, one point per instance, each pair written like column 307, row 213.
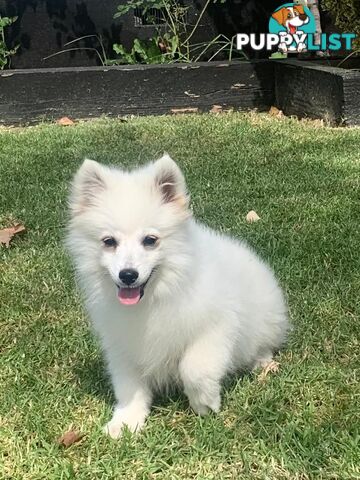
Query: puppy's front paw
column 132, row 419
column 202, row 403
column 113, row 428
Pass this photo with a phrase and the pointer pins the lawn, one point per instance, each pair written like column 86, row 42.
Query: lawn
column 299, row 423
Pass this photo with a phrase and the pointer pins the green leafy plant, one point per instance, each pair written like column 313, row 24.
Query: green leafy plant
column 143, row 51
column 5, row 52
column 346, row 15
column 173, row 39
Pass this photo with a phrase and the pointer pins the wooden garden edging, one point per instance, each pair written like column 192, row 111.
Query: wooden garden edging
column 306, row 89
column 32, row 95
column 301, row 88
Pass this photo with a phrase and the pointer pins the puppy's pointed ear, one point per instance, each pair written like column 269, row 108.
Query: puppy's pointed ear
column 170, row 181
column 280, row 16
column 88, row 183
column 299, row 9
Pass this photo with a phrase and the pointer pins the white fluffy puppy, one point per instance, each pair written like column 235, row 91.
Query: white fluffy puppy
column 171, row 300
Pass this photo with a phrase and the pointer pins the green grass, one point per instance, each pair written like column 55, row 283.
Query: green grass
column 301, row 423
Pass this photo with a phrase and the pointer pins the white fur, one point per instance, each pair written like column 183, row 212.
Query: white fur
column 210, row 308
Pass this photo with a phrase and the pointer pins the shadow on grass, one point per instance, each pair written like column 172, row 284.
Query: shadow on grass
column 95, row 381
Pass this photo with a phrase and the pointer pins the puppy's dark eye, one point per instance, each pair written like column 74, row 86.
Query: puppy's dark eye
column 150, row 241
column 109, row 242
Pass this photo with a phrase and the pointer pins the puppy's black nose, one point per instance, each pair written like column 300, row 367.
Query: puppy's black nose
column 303, row 16
column 128, row 275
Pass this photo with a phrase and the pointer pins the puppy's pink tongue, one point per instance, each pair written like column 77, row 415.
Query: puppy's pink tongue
column 129, row 296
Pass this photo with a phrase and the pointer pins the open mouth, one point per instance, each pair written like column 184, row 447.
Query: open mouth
column 132, row 295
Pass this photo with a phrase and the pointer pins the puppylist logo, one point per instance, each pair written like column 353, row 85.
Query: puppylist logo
column 292, row 28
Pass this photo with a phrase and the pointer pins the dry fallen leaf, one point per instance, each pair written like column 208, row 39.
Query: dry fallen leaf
column 271, row 367
column 216, row 109
column 252, row 216
column 184, row 110
column 6, row 234
column 275, row 112
column 65, row 121
column 70, row 437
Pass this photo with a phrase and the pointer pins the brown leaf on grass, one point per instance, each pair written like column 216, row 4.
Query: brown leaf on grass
column 252, row 216
column 65, row 121
column 271, row 367
column 176, row 111
column 216, row 109
column 6, row 234
column 275, row 112
column 69, row 438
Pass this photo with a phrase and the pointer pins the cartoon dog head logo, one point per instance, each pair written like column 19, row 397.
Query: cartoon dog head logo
column 292, row 19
